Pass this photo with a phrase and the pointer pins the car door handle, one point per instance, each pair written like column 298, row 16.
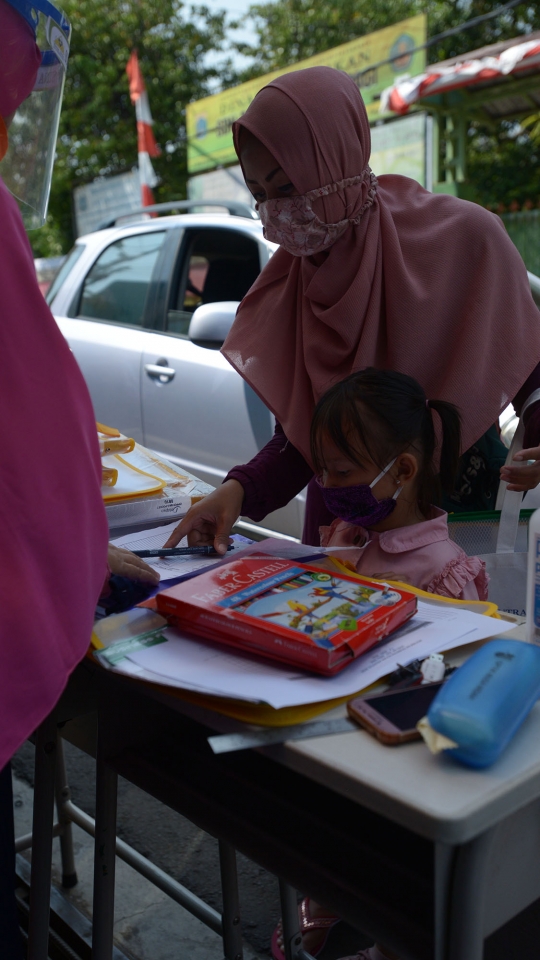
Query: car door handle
column 159, row 371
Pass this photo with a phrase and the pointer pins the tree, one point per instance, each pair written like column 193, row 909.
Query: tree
column 292, row 30
column 98, row 134
column 444, row 15
column 504, row 166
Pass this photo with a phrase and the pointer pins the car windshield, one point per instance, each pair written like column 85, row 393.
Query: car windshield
column 70, row 262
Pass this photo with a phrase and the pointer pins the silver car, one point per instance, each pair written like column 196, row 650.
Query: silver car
column 145, row 307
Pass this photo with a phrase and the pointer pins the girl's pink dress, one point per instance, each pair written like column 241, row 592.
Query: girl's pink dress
column 422, row 553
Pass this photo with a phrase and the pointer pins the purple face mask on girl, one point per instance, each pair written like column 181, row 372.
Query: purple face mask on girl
column 358, row 504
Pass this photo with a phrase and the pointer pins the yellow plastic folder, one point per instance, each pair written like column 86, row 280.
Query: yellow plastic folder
column 122, row 480
column 131, row 481
column 475, row 606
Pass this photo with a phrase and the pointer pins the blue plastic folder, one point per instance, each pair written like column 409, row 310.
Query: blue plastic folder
column 484, row 703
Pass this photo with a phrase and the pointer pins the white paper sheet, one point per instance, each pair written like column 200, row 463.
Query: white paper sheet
column 211, row 669
column 170, row 567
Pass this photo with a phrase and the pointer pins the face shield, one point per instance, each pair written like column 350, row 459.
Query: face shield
column 27, row 166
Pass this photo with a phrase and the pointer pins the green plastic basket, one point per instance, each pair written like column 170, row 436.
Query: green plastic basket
column 476, row 532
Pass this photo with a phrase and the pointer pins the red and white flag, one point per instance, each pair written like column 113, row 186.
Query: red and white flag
column 147, row 145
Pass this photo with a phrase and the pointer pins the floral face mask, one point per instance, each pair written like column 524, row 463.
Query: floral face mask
column 292, row 222
column 358, row 504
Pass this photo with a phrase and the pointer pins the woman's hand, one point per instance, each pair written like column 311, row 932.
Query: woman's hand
column 526, row 476
column 212, row 519
column 124, row 563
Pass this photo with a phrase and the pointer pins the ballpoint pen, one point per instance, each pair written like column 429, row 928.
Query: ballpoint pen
column 206, row 551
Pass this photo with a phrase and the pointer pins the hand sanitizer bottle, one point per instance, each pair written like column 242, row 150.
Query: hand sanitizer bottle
column 533, row 580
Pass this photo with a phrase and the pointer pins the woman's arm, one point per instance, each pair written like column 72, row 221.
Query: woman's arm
column 267, row 482
column 274, row 476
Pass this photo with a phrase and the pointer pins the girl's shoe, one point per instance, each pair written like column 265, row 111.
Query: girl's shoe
column 308, row 924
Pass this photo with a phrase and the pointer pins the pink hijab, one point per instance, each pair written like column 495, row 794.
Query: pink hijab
column 425, row 284
column 53, row 528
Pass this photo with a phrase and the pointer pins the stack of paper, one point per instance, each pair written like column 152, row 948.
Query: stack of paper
column 183, row 661
column 177, row 490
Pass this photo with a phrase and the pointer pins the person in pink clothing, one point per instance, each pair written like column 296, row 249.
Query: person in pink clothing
column 373, row 443
column 379, row 469
column 53, row 527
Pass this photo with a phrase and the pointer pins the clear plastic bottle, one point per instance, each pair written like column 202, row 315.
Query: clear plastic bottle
column 533, row 580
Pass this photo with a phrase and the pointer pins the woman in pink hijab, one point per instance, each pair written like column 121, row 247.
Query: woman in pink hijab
column 370, row 272
column 52, row 521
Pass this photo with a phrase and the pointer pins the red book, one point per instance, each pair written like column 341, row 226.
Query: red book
column 297, row 613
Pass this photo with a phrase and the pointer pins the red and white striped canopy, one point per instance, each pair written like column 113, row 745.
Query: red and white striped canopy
column 441, row 79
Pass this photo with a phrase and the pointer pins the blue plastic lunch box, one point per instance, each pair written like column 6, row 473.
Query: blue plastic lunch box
column 487, row 699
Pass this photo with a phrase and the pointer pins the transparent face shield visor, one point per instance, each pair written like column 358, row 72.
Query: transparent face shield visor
column 28, row 164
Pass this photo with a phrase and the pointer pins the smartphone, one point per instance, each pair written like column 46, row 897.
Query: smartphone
column 392, row 716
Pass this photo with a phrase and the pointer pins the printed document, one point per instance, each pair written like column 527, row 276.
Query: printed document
column 171, row 567
column 216, row 669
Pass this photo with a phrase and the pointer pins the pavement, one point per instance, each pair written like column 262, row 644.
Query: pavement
column 148, row 925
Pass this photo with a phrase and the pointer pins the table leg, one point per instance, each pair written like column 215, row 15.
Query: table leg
column 104, row 858
column 466, row 911
column 63, row 795
column 42, row 837
column 292, row 938
column 444, row 859
column 232, row 929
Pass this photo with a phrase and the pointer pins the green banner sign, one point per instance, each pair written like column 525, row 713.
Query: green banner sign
column 373, row 61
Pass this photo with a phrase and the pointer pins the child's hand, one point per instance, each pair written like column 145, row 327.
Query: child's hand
column 124, row 563
column 523, row 476
column 391, row 575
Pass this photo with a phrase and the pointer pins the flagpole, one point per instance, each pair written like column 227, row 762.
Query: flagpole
column 146, row 144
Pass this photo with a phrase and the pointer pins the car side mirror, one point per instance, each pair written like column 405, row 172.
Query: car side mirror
column 211, row 323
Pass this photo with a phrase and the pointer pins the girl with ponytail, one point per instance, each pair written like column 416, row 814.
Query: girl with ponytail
column 381, row 462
